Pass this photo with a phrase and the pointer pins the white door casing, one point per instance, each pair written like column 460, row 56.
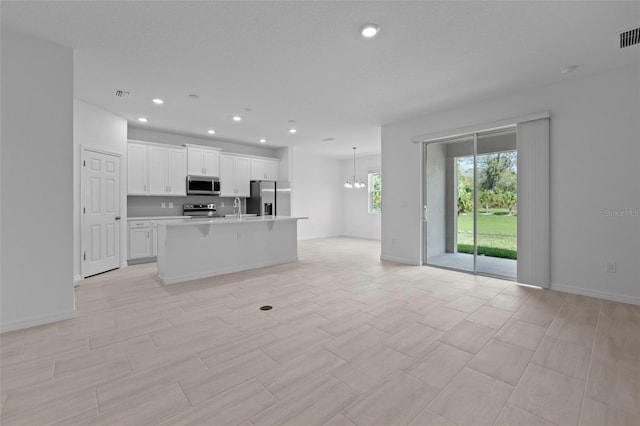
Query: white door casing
column 100, row 233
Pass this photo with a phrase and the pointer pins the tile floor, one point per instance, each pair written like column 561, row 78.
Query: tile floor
column 350, row 341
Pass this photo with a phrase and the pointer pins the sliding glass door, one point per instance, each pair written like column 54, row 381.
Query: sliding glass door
column 471, row 203
column 449, row 195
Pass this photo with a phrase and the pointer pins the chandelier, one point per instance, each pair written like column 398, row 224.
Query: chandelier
column 354, row 183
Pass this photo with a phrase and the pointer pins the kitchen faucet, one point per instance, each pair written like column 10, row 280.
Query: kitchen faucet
column 237, row 204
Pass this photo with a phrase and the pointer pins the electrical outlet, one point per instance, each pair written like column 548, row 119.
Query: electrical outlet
column 221, row 203
column 170, row 205
column 163, row 205
column 611, row 267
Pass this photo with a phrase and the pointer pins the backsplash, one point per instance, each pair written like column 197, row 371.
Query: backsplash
column 143, row 206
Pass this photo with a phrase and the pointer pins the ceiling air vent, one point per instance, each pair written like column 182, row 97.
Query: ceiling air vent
column 629, row 37
column 328, row 139
column 121, row 93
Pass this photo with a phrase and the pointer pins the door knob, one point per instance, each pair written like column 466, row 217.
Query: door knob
column 118, row 218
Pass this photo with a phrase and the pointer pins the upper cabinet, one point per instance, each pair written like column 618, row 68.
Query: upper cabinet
column 234, row 176
column 137, row 169
column 203, row 161
column 264, row 169
column 155, row 169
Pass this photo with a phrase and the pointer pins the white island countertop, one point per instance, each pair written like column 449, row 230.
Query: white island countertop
column 228, row 220
column 156, row 218
column 190, row 249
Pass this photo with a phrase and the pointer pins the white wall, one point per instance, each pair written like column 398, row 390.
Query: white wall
column 595, row 152
column 37, row 151
column 284, row 169
column 356, row 219
column 96, row 128
column 316, row 185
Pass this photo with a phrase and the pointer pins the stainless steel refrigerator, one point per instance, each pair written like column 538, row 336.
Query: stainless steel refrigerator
column 269, row 198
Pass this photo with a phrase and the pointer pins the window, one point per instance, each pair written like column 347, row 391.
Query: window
column 375, row 191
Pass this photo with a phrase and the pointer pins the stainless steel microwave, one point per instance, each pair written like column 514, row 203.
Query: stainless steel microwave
column 203, row 185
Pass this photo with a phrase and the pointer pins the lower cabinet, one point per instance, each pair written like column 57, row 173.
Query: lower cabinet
column 143, row 240
column 140, row 239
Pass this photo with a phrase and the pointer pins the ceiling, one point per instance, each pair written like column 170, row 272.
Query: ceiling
column 275, row 61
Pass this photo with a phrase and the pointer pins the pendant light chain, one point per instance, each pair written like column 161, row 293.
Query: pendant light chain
column 354, row 183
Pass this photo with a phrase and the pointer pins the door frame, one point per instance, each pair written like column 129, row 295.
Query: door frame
column 424, row 184
column 538, row 224
column 83, row 150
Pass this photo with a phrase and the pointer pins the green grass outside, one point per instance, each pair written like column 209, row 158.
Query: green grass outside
column 496, row 234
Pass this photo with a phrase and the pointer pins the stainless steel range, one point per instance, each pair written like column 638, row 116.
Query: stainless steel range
column 199, row 210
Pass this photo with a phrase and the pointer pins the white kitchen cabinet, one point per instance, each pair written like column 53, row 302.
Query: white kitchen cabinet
column 264, row 169
column 143, row 238
column 203, row 161
column 157, row 163
column 140, row 239
column 155, row 169
column 167, row 170
column 234, row 176
column 137, row 169
column 177, row 171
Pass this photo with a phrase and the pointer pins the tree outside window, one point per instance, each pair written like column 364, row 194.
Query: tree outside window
column 375, row 192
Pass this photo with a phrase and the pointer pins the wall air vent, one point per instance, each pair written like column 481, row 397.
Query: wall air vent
column 629, row 37
column 121, row 93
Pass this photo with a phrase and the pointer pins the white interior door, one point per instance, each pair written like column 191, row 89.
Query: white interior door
column 101, row 212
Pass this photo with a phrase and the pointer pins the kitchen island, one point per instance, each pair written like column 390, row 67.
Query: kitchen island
column 190, row 249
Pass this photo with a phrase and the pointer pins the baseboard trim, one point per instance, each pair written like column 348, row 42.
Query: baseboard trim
column 358, row 237
column 35, row 321
column 317, row 237
column 141, row 261
column 77, row 278
column 596, row 293
column 400, row 260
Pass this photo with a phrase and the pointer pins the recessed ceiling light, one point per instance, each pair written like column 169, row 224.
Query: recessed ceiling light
column 142, row 120
column 236, row 118
column 193, row 96
column 247, row 109
column 292, row 121
column 369, row 30
column 569, row 69
column 211, row 131
column 292, row 130
column 263, row 140
column 158, row 101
